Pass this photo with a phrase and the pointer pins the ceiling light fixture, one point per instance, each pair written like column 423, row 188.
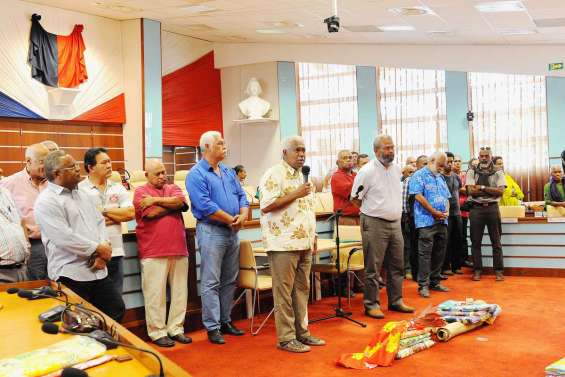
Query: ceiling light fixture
column 501, row 7
column 396, row 28
column 411, row 11
column 195, row 9
column 511, row 32
column 270, row 31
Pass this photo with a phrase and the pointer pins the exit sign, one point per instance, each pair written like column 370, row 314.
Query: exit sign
column 555, row 66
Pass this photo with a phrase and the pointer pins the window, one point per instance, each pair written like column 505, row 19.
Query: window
column 328, row 113
column 412, row 110
column 511, row 118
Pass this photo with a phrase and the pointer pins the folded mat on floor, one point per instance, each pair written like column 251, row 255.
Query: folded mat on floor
column 556, row 369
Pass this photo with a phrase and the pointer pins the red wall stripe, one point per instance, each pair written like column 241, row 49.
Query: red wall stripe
column 192, row 102
column 112, row 111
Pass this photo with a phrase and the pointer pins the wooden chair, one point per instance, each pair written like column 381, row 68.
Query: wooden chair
column 250, row 279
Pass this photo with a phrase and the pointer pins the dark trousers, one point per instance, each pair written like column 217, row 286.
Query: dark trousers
column 100, row 293
column 432, row 241
column 464, row 227
column 454, row 253
column 116, row 273
column 382, row 245
column 413, row 258
column 407, row 241
column 37, row 263
column 490, row 217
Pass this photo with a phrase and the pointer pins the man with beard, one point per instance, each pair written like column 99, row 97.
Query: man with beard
column 485, row 185
column 380, row 201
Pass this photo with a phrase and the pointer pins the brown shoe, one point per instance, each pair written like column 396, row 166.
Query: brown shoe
column 374, row 313
column 476, row 276
column 402, row 308
column 293, row 346
column 312, row 341
column 499, row 276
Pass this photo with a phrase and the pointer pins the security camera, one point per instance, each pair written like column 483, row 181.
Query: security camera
column 333, row 24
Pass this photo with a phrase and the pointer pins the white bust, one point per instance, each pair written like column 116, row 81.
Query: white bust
column 254, row 107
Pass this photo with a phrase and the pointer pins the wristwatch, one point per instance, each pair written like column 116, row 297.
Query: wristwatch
column 482, row 188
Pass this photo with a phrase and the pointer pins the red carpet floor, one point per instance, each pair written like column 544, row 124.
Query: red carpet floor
column 529, row 335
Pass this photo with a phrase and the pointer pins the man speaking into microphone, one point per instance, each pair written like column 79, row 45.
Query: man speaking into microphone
column 288, row 224
column 380, row 201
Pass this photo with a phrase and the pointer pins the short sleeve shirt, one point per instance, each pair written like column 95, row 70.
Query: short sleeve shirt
column 164, row 236
column 294, row 226
column 115, row 196
column 495, row 180
column 434, row 189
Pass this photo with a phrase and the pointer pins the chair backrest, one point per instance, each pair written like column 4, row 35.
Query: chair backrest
column 250, row 194
column 115, row 177
column 137, row 178
column 324, row 202
column 180, row 178
column 247, row 274
column 349, row 232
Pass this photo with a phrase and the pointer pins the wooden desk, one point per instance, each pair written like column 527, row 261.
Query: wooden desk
column 21, row 332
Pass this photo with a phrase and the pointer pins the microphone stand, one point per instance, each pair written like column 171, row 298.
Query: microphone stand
column 339, row 312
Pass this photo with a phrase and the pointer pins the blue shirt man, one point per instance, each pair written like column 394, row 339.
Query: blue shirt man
column 431, row 210
column 220, row 207
column 434, row 189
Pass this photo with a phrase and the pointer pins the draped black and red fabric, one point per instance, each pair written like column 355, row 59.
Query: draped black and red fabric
column 56, row 60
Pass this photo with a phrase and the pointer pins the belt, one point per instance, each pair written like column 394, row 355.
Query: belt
column 380, row 218
column 11, row 266
column 487, row 204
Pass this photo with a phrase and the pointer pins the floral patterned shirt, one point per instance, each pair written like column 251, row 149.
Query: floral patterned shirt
column 292, row 227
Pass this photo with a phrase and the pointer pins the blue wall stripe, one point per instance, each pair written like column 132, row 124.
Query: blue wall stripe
column 367, row 107
column 152, row 89
column 13, row 109
column 457, row 103
column 288, row 108
column 555, row 115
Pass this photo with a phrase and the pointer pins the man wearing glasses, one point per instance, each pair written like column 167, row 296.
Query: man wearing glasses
column 25, row 186
column 75, row 238
column 485, row 185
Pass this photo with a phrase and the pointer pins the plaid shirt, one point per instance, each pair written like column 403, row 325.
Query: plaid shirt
column 405, row 208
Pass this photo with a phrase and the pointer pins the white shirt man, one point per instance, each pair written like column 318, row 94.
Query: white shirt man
column 14, row 247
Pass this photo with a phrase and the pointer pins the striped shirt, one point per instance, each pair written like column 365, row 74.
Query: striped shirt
column 14, row 247
column 405, row 196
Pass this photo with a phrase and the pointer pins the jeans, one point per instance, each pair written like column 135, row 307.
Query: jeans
column 431, row 253
column 489, row 217
column 219, row 268
column 116, row 273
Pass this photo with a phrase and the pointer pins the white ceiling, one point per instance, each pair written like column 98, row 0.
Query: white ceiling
column 238, row 20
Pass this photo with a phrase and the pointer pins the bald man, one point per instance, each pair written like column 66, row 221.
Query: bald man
column 161, row 243
column 25, row 186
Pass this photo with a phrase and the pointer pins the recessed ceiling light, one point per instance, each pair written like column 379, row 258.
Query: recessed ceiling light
column 441, row 33
column 194, row 9
column 270, row 31
column 362, row 28
column 286, row 24
column 411, row 11
column 396, row 28
column 516, row 31
column 501, row 6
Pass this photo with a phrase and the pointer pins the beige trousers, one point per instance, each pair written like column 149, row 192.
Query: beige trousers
column 290, row 271
column 155, row 273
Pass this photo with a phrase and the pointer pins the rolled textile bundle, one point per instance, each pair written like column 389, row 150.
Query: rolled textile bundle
column 411, row 333
column 407, row 342
column 450, row 330
column 405, row 352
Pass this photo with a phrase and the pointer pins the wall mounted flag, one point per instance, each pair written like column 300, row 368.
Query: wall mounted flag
column 56, row 60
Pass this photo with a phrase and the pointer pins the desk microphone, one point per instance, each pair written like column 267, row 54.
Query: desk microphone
column 34, row 294
column 359, row 189
column 306, row 172
column 104, row 338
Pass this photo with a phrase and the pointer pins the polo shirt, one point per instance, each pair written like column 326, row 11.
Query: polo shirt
column 164, row 236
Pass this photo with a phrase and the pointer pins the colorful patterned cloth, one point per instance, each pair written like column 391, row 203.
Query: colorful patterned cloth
column 556, row 369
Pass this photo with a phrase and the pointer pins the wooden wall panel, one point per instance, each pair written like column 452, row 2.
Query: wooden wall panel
column 74, row 137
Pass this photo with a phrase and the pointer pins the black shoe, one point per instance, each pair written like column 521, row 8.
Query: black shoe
column 344, row 294
column 229, row 329
column 216, row 337
column 164, row 341
column 442, row 277
column 181, row 338
column 439, row 288
column 468, row 263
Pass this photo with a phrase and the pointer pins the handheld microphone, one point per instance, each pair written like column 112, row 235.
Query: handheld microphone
column 34, row 294
column 306, row 172
column 359, row 189
column 104, row 338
